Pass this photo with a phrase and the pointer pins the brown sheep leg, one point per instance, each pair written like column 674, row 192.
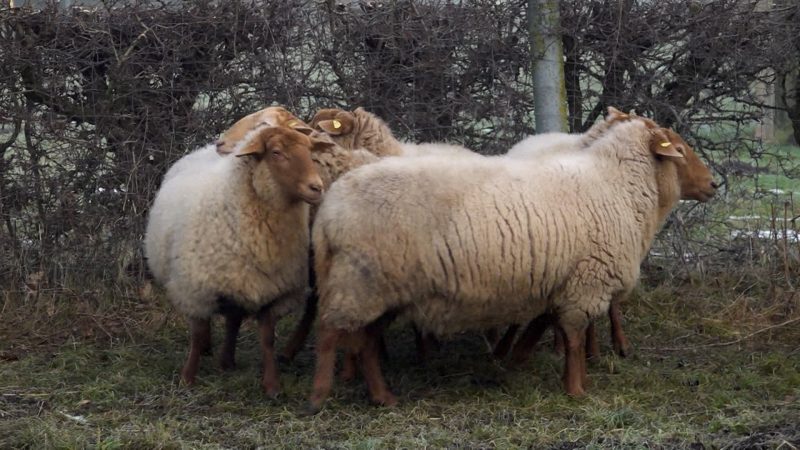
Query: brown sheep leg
column 371, row 367
column 266, row 328
column 425, row 343
column 327, row 338
column 502, row 347
column 301, row 331
column 349, row 364
column 558, row 342
column 574, row 376
column 529, row 338
column 592, row 346
column 200, row 341
column 618, row 339
column 233, row 321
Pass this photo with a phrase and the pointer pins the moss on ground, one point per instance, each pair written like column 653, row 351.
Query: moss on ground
column 116, row 386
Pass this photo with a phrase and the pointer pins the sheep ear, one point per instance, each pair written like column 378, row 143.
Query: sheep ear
column 257, row 145
column 223, row 148
column 615, row 115
column 321, row 145
column 339, row 125
column 660, row 144
column 298, row 125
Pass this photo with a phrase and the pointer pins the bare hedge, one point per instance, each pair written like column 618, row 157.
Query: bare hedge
column 95, row 103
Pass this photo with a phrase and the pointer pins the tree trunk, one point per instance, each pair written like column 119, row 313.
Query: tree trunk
column 549, row 93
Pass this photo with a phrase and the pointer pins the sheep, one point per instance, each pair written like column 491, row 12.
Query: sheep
column 474, row 243
column 534, row 330
column 362, row 129
column 331, row 162
column 232, row 237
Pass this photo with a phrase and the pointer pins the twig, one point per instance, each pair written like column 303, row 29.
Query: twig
column 723, row 344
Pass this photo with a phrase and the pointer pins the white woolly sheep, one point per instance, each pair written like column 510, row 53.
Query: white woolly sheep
column 533, row 332
column 331, row 162
column 474, row 243
column 232, row 237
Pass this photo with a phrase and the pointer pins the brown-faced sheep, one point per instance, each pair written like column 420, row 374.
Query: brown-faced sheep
column 474, row 243
column 232, row 237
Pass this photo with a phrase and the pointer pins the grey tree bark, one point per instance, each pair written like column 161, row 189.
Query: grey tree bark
column 549, row 93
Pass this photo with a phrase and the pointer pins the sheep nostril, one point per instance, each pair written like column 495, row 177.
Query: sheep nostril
column 714, row 184
column 315, row 187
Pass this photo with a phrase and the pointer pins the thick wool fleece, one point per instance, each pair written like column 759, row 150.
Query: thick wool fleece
column 196, row 161
column 371, row 133
column 556, row 143
column 228, row 231
column 471, row 243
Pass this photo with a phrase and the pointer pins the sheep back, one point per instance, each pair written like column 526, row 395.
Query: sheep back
column 474, row 243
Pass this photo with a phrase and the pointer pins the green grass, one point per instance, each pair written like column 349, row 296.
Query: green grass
column 122, row 391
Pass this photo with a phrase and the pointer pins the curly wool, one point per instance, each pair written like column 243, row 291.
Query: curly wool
column 472, row 243
column 210, row 234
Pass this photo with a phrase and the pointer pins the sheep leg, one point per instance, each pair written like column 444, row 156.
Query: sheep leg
column 301, row 331
column 558, row 343
column 199, row 341
column 371, row 367
column 349, row 364
column 574, row 377
column 266, row 326
column 327, row 338
column 424, row 343
column 502, row 347
column 618, row 339
column 233, row 321
column 592, row 346
column 529, row 338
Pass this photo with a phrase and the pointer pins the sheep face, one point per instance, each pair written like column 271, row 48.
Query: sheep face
column 286, row 154
column 272, row 116
column 696, row 181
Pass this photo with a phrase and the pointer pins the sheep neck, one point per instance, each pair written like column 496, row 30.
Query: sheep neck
column 651, row 184
column 372, row 133
column 260, row 210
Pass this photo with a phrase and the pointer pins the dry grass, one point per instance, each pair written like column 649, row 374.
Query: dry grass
column 78, row 372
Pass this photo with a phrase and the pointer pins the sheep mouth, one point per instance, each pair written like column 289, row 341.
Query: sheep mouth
column 705, row 196
column 313, row 198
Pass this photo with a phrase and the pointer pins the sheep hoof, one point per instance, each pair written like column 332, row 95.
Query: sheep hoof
column 227, row 364
column 623, row 350
column 576, row 392
column 187, row 378
column 387, row 400
column 312, row 409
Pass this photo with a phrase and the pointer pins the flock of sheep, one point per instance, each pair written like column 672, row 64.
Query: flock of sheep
column 339, row 217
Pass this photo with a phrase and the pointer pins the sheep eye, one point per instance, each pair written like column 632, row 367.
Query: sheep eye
column 277, row 154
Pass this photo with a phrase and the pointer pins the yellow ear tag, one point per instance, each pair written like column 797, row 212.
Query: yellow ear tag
column 292, row 123
column 337, row 124
column 666, row 144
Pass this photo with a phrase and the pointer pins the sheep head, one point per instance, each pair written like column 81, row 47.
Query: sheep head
column 287, row 155
column 335, row 122
column 696, row 180
column 272, row 116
